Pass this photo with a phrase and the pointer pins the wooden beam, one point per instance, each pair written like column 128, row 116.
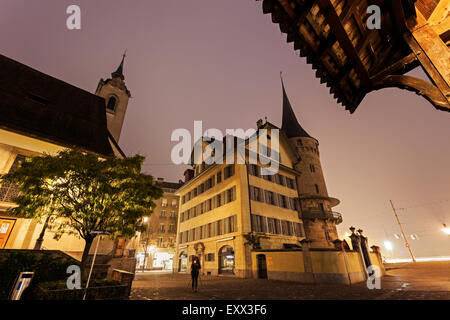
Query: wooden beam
column 442, row 28
column 419, row 86
column 329, row 12
column 433, row 55
column 441, row 12
column 402, row 66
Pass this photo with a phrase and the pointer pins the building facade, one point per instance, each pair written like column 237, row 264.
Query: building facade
column 44, row 115
column 157, row 242
column 228, row 210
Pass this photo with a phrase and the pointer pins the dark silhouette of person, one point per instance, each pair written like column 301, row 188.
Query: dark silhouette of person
column 195, row 271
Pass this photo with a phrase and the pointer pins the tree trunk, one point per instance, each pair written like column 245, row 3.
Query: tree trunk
column 40, row 240
column 87, row 247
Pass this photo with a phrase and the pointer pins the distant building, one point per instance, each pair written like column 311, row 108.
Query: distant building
column 157, row 243
column 41, row 114
column 221, row 205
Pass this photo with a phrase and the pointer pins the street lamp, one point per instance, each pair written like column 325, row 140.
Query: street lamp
column 446, row 229
column 388, row 245
column 99, row 234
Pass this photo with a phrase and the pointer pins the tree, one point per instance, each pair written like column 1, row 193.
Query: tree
column 83, row 193
column 254, row 240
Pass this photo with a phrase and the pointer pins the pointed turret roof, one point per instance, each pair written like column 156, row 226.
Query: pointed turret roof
column 119, row 72
column 290, row 124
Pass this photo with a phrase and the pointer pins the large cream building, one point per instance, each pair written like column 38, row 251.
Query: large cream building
column 41, row 114
column 222, row 204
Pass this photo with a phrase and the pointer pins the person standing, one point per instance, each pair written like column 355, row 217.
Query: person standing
column 195, row 271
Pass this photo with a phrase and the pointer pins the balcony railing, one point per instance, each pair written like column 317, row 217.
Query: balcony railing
column 319, row 214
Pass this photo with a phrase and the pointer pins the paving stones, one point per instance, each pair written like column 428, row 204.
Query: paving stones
column 421, row 286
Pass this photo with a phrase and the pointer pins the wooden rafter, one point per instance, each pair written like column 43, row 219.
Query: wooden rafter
column 353, row 60
column 335, row 23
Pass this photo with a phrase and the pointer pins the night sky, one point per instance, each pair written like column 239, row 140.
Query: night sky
column 219, row 61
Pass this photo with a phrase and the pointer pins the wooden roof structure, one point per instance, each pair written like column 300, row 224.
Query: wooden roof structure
column 354, row 60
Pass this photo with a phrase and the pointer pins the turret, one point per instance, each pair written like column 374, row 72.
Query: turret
column 316, row 205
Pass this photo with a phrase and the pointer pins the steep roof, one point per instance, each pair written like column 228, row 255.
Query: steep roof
column 40, row 106
column 119, row 72
column 290, row 124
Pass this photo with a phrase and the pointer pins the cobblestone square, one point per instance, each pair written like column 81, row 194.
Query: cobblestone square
column 420, row 281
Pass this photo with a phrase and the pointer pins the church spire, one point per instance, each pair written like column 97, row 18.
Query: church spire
column 119, row 72
column 290, row 124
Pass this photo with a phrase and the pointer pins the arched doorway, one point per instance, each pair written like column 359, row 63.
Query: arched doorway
column 226, row 260
column 182, row 262
column 199, row 248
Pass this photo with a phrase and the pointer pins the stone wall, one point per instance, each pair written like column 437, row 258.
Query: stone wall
column 315, row 265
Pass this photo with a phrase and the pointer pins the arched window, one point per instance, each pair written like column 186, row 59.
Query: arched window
column 226, row 260
column 111, row 105
column 182, row 262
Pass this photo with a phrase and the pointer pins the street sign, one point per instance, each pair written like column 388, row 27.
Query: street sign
column 100, row 233
column 22, row 282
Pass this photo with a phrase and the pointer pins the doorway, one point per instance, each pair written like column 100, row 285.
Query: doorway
column 226, row 260
column 262, row 266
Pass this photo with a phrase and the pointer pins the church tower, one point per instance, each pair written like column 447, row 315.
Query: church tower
column 318, row 218
column 116, row 95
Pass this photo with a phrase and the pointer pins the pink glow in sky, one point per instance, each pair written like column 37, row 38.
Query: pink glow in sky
column 219, row 61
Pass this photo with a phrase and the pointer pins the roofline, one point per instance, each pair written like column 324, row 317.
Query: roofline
column 116, row 144
column 58, row 143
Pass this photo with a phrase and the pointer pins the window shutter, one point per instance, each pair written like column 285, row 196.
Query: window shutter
column 264, row 224
column 252, row 192
column 276, row 199
column 253, row 222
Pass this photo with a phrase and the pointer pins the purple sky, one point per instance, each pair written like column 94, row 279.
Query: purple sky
column 219, row 61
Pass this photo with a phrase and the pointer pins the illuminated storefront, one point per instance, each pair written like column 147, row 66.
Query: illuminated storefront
column 6, row 226
column 162, row 261
column 182, row 265
column 154, row 259
column 226, row 260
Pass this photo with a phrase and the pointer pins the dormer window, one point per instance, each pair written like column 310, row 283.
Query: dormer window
column 111, row 105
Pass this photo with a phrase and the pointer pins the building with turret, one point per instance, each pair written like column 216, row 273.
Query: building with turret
column 116, row 95
column 227, row 211
column 316, row 205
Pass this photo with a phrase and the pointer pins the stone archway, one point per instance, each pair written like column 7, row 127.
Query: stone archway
column 199, row 248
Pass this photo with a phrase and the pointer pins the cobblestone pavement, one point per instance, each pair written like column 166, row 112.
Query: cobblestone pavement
column 429, row 281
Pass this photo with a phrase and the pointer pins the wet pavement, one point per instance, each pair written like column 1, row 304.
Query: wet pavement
column 407, row 281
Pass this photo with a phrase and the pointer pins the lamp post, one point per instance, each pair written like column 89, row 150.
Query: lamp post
column 146, row 221
column 403, row 233
column 99, row 234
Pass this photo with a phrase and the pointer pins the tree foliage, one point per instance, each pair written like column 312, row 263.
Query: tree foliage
column 83, row 193
column 254, row 240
